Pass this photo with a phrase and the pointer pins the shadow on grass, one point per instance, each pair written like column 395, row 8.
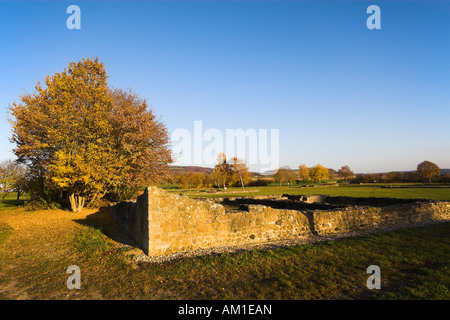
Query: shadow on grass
column 5, row 231
column 102, row 220
column 11, row 203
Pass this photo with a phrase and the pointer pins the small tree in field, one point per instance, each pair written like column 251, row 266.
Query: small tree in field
column 346, row 173
column 303, row 172
column 223, row 172
column 286, row 175
column 240, row 169
column 428, row 170
column 280, row 176
column 318, row 173
column 13, row 178
column 290, row 177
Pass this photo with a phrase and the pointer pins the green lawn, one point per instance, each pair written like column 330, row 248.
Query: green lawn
column 426, row 192
column 11, row 201
column 414, row 264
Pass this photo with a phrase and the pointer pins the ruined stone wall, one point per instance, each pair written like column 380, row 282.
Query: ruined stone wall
column 132, row 217
column 282, row 203
column 163, row 223
column 178, row 223
column 351, row 201
column 364, row 218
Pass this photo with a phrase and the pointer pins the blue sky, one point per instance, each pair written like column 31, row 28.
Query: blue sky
column 339, row 93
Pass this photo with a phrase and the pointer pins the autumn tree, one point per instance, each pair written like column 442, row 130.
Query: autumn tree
column 428, row 170
column 13, row 178
column 240, row 170
column 195, row 180
column 395, row 176
column 303, row 172
column 207, row 180
column 318, row 173
column 280, row 176
column 286, row 175
column 62, row 131
column 187, row 180
column 223, row 171
column 82, row 139
column 141, row 141
column 199, row 180
column 290, row 176
column 345, row 172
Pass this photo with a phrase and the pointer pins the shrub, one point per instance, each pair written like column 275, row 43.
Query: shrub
column 40, row 204
column 258, row 183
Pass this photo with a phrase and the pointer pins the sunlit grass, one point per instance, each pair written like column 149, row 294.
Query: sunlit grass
column 5, row 231
column 37, row 247
column 10, row 200
column 414, row 265
column 441, row 193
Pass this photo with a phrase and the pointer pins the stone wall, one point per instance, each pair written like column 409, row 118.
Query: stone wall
column 163, row 223
column 177, row 223
column 282, row 203
column 365, row 218
column 132, row 217
column 351, row 201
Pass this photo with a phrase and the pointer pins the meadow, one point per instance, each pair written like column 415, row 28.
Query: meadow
column 36, row 247
column 10, row 201
column 403, row 191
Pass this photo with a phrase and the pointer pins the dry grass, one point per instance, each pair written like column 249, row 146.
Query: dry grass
column 41, row 243
column 37, row 247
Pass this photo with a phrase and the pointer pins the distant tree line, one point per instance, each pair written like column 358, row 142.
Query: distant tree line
column 226, row 173
column 315, row 174
column 426, row 171
column 235, row 173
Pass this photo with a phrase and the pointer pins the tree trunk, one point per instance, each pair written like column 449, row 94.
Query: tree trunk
column 92, row 201
column 76, row 202
column 96, row 197
column 19, row 193
column 242, row 182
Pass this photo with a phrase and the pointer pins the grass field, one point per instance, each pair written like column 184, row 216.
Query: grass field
column 11, row 201
column 36, row 247
column 426, row 192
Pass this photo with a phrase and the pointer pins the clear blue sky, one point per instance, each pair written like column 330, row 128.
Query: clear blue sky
column 340, row 94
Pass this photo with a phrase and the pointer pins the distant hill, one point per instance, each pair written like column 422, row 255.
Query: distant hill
column 197, row 169
column 272, row 172
column 187, row 169
column 443, row 171
column 269, row 172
